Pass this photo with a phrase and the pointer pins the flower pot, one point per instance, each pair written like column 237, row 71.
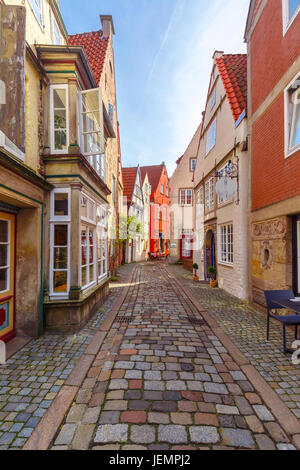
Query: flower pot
column 196, row 278
column 213, row 283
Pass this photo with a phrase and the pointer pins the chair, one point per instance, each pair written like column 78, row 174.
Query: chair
column 286, row 320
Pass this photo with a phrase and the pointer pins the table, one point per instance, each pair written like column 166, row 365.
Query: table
column 294, row 306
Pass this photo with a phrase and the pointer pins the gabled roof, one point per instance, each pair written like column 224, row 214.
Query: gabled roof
column 143, row 174
column 154, row 174
column 95, row 46
column 233, row 71
column 129, row 177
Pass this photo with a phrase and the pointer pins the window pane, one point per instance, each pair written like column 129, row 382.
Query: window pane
column 60, row 138
column 293, row 5
column 91, row 122
column 3, row 279
column 60, row 120
column 60, row 281
column 3, row 255
column 60, row 258
column 61, row 207
column 84, row 280
column 60, row 98
column 84, row 207
column 296, row 126
column 61, row 235
column 92, row 273
column 3, row 231
column 92, row 143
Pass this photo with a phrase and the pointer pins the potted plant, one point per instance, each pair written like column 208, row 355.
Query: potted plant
column 212, row 274
column 195, row 268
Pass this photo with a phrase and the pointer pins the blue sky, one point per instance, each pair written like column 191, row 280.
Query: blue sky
column 163, row 58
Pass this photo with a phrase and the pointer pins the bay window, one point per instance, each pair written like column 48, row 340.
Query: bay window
column 93, row 242
column 101, row 243
column 292, row 116
column 60, row 219
column 91, row 127
column 226, row 244
column 59, row 118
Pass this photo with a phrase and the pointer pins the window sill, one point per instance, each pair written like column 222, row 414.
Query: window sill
column 227, row 265
column 291, row 152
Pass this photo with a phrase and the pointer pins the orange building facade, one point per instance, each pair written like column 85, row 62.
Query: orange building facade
column 159, row 208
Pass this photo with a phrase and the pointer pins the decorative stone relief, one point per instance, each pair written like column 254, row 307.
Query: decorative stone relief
column 276, row 228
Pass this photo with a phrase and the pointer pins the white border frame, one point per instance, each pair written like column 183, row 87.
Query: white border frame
column 286, row 21
column 57, row 295
column 57, row 218
column 52, row 140
column 220, row 261
column 288, row 121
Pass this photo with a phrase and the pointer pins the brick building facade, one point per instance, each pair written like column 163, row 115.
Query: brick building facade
column 272, row 35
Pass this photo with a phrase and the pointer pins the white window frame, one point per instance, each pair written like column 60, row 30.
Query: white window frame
column 287, row 21
column 103, row 227
column 57, row 218
column 213, row 98
column 92, row 156
column 200, row 196
column 52, row 137
column 183, row 199
column 162, row 189
column 211, row 136
column 289, row 116
column 210, row 195
column 7, row 267
column 93, row 228
column 191, row 166
column 37, row 11
column 61, row 295
column 225, row 247
column 55, row 28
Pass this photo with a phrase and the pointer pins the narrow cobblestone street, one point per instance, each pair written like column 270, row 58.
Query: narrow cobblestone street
column 163, row 380
column 160, row 376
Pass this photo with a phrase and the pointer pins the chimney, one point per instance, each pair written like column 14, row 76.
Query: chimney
column 107, row 25
column 217, row 54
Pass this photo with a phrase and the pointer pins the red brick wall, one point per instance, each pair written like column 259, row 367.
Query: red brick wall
column 272, row 53
column 274, row 178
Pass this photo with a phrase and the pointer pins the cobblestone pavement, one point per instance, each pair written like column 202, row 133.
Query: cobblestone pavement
column 162, row 380
column 31, row 379
column 247, row 329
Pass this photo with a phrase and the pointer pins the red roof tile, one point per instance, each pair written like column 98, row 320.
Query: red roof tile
column 129, row 177
column 233, row 70
column 154, row 174
column 95, row 46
